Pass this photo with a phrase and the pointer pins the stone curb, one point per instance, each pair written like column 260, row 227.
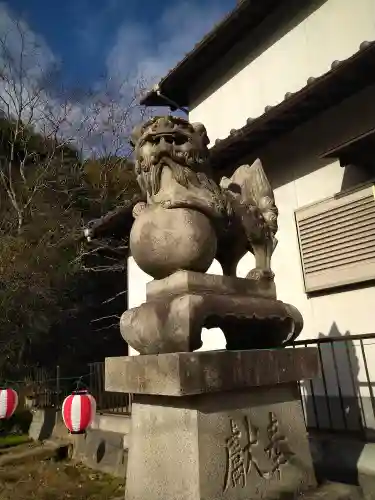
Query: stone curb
column 41, row 452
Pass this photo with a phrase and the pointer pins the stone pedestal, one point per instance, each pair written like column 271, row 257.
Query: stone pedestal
column 179, row 306
column 216, row 425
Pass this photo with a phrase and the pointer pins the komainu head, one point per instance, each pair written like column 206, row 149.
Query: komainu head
column 170, row 141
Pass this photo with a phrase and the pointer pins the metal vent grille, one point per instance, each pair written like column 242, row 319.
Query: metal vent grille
column 337, row 240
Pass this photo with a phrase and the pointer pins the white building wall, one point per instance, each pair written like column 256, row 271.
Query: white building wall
column 332, row 32
column 137, row 281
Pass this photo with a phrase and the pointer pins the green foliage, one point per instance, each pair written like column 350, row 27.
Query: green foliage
column 13, row 440
column 109, row 182
column 14, row 430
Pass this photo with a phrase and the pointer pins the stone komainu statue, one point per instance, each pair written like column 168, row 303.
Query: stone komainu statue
column 186, row 221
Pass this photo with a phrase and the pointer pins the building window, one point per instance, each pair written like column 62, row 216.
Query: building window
column 337, row 240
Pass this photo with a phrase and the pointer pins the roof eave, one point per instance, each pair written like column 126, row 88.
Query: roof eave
column 222, row 34
column 298, row 107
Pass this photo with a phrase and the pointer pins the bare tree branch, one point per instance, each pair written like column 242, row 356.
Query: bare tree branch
column 124, row 292
column 104, row 318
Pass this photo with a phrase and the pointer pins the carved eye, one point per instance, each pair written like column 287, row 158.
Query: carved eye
column 179, row 140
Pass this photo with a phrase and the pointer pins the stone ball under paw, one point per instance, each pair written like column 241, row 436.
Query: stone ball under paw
column 163, row 241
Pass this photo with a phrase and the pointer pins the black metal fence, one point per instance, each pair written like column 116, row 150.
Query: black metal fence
column 41, row 388
column 38, row 386
column 107, row 402
column 340, row 399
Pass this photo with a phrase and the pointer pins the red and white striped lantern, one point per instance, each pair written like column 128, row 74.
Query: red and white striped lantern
column 8, row 403
column 78, row 411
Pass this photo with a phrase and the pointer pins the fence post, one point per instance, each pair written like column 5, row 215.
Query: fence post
column 57, row 387
column 91, row 379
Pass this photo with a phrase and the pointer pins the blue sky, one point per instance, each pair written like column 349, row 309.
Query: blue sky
column 129, row 43
column 122, row 38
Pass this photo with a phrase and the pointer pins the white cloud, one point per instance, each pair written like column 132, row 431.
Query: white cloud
column 38, row 55
column 149, row 52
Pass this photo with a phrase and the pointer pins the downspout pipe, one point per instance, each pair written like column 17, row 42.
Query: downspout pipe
column 172, row 104
column 169, row 102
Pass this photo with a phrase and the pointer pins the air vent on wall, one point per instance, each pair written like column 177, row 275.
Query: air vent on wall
column 337, row 240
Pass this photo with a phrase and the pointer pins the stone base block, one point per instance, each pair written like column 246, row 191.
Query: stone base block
column 43, row 424
column 189, row 373
column 236, row 445
column 102, row 451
